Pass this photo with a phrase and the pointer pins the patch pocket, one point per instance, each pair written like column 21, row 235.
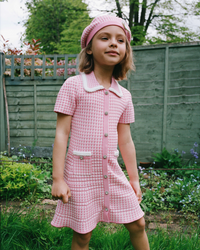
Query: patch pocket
column 116, row 153
column 82, row 163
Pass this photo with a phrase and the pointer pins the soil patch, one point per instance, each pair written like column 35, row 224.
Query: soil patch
column 164, row 220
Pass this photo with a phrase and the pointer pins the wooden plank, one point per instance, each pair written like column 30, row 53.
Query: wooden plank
column 35, row 110
column 147, row 56
column 148, row 100
column 20, row 108
column 19, row 88
column 26, row 116
column 51, row 88
column 23, row 141
column 55, row 66
column 22, row 132
column 185, row 74
column 50, row 133
column 12, row 68
column 2, row 104
column 184, row 90
column 22, row 68
column 21, row 124
column 45, row 142
column 192, row 82
column 187, row 53
column 46, row 116
column 147, row 92
column 66, row 67
column 184, row 99
column 20, row 101
column 16, row 94
column 43, row 66
column 46, row 124
column 45, row 108
column 48, row 81
column 148, row 76
column 146, row 84
column 32, row 67
column 185, row 65
column 47, row 94
column 47, row 100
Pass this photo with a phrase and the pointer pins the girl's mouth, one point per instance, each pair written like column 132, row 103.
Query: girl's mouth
column 112, row 52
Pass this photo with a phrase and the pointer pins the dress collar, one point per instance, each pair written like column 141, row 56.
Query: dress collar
column 90, row 84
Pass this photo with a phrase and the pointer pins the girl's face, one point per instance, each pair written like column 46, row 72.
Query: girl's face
column 108, row 46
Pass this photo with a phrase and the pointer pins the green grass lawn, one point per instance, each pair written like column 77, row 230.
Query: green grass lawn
column 32, row 231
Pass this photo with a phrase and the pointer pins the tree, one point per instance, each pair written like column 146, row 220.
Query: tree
column 48, row 19
column 166, row 17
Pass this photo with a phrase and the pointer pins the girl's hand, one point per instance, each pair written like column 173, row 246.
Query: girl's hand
column 61, row 190
column 136, row 187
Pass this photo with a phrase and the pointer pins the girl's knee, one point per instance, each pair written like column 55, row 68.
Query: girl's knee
column 136, row 226
column 82, row 238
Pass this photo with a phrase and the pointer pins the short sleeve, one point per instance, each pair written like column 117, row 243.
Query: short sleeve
column 66, row 99
column 128, row 116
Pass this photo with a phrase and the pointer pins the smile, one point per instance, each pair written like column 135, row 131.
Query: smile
column 112, row 52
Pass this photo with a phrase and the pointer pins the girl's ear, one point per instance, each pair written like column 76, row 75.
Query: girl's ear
column 89, row 51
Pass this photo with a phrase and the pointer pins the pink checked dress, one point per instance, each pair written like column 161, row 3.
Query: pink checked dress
column 99, row 189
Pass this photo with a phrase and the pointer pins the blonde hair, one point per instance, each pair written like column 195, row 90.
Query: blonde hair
column 86, row 62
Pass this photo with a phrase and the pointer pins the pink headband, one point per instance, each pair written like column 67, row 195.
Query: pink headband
column 101, row 22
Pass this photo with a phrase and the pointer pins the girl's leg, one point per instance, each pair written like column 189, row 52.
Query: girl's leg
column 138, row 235
column 81, row 241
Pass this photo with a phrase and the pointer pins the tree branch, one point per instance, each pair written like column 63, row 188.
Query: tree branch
column 150, row 15
column 131, row 12
column 143, row 12
column 136, row 12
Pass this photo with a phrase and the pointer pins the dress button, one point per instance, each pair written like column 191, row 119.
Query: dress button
column 106, row 209
column 106, row 135
column 105, row 156
column 106, row 113
column 81, row 157
column 105, row 176
column 106, row 192
column 106, row 92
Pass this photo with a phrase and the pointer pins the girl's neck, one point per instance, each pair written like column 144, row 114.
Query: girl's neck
column 104, row 77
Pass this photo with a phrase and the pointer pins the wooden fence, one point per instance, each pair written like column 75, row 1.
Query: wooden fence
column 165, row 90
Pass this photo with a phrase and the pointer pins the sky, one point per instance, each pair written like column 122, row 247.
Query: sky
column 11, row 17
column 12, row 14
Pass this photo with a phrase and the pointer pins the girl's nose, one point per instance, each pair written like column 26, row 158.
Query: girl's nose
column 113, row 43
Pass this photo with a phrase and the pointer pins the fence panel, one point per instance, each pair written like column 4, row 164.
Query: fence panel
column 166, row 97
column 165, row 90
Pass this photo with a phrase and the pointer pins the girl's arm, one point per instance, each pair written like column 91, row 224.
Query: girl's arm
column 59, row 188
column 128, row 153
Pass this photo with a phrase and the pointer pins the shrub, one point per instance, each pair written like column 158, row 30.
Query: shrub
column 18, row 180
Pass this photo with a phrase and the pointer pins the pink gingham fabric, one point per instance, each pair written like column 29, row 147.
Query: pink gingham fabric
column 101, row 22
column 100, row 190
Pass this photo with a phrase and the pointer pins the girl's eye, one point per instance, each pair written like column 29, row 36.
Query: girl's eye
column 121, row 40
column 104, row 38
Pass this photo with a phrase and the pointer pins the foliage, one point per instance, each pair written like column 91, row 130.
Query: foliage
column 71, row 36
column 161, row 192
column 31, row 229
column 57, row 23
column 22, row 180
column 165, row 159
column 168, row 160
column 167, row 18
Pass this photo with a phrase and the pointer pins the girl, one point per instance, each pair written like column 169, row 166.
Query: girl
column 97, row 111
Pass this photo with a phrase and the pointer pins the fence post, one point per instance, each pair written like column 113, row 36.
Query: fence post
column 2, row 108
column 165, row 97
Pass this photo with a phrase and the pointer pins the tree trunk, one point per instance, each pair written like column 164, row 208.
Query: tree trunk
column 118, row 8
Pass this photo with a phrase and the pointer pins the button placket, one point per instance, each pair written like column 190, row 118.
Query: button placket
column 105, row 157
